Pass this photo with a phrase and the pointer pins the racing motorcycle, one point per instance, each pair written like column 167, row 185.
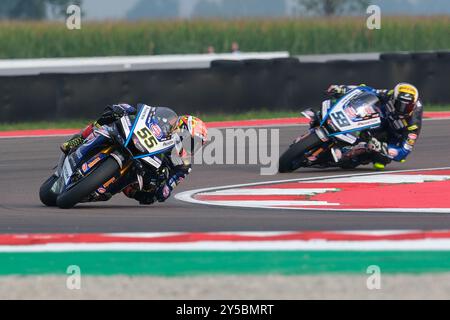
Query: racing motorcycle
column 349, row 121
column 112, row 157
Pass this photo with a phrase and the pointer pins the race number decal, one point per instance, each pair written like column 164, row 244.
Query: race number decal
column 146, row 137
column 340, row 119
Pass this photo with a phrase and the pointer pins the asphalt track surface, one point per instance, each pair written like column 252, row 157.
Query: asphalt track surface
column 26, row 162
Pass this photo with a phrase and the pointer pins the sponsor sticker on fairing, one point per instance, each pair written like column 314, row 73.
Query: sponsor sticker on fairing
column 350, row 111
column 156, row 130
column 101, row 190
column 370, row 110
column 412, row 136
column 94, row 162
column 72, row 161
column 154, row 161
column 144, row 115
column 67, row 170
column 109, row 182
column 368, row 122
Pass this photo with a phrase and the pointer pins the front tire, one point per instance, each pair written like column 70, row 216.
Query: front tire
column 293, row 157
column 89, row 184
column 47, row 196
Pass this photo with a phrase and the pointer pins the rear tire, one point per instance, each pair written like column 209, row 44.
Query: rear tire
column 47, row 196
column 291, row 159
column 89, row 184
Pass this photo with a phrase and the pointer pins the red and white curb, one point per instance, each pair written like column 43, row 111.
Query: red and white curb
column 422, row 190
column 217, row 124
column 438, row 240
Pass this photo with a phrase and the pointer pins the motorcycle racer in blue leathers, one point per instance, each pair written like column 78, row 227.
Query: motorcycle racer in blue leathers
column 180, row 165
column 401, row 111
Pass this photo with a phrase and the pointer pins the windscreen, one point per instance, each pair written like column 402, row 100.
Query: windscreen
column 166, row 119
column 364, row 103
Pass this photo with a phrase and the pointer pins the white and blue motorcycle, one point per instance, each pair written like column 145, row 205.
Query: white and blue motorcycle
column 112, row 157
column 343, row 124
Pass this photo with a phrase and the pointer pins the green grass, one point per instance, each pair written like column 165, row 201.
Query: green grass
column 264, row 114
column 298, row 36
column 189, row 263
column 65, row 124
column 438, row 108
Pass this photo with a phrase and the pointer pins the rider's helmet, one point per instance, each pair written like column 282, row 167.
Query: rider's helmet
column 405, row 98
column 196, row 129
column 166, row 119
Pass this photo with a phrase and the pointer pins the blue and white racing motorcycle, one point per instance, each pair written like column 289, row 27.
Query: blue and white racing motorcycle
column 113, row 157
column 349, row 121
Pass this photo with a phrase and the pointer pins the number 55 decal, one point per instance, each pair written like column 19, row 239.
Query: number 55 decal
column 147, row 137
column 340, row 119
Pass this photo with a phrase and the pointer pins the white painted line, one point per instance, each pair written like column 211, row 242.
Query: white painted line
column 380, row 232
column 388, row 178
column 270, row 203
column 296, row 245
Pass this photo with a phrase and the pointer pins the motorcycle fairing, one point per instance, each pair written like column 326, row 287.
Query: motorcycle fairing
column 149, row 136
column 366, row 117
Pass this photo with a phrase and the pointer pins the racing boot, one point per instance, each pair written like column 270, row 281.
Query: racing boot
column 378, row 166
column 78, row 139
column 381, row 166
column 72, row 143
column 380, row 161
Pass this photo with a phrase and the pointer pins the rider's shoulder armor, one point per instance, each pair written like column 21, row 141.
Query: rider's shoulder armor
column 130, row 110
column 416, row 116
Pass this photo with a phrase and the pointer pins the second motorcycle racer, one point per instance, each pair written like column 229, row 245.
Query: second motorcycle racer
column 358, row 125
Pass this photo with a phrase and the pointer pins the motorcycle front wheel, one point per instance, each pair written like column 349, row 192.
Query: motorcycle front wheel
column 293, row 158
column 46, row 195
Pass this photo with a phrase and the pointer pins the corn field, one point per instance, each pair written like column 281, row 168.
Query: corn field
column 298, row 36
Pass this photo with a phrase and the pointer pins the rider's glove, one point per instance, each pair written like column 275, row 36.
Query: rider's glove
column 163, row 192
column 111, row 114
column 313, row 116
column 180, row 174
column 334, row 90
column 117, row 111
column 377, row 146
